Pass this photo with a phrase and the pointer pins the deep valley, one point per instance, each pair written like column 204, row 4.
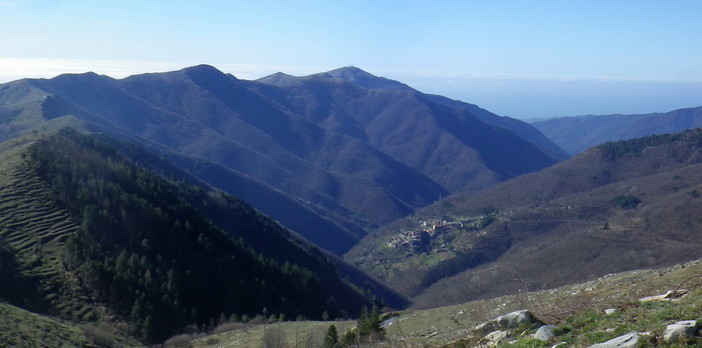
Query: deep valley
column 193, row 208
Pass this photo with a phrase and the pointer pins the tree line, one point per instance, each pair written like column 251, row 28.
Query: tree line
column 153, row 256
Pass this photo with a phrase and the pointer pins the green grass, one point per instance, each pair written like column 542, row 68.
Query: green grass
column 288, row 334
column 576, row 310
column 20, row 328
column 432, row 259
column 592, row 326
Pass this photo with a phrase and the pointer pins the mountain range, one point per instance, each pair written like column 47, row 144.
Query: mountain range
column 576, row 134
column 167, row 202
column 329, row 155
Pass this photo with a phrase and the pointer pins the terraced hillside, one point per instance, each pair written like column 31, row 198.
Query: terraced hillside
column 37, row 230
column 93, row 237
column 21, row 328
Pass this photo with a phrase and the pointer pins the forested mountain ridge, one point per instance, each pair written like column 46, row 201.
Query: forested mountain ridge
column 619, row 206
column 394, row 118
column 523, row 129
column 575, row 134
column 344, row 154
column 158, row 254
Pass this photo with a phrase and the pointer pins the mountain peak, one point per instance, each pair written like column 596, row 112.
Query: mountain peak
column 278, row 79
column 86, row 76
column 350, row 72
column 209, row 77
column 367, row 80
column 202, row 70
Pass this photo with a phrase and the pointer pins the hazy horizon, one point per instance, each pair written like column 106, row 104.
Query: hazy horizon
column 525, row 60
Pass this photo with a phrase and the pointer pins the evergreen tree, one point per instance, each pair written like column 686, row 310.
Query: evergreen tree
column 331, row 338
column 367, row 329
column 149, row 247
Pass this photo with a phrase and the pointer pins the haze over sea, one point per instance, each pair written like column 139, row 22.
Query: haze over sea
column 520, row 59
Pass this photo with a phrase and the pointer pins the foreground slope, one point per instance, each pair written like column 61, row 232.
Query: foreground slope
column 577, row 311
column 575, row 134
column 619, row 206
column 97, row 237
column 21, row 328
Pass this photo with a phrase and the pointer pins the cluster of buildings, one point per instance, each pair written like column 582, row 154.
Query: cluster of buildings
column 418, row 239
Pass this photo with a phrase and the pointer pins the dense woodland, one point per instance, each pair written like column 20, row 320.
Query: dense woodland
column 616, row 149
column 156, row 258
column 16, row 288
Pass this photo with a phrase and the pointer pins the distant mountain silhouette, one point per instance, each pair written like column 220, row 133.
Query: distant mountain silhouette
column 366, row 80
column 330, row 155
column 409, row 126
column 575, row 134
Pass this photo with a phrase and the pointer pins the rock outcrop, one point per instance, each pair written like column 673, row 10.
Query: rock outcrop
column 686, row 328
column 544, row 333
column 670, row 295
column 497, row 330
column 510, row 321
column 629, row 340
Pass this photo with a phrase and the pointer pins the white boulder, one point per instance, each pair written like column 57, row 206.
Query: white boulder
column 495, row 337
column 629, row 340
column 673, row 332
column 544, row 333
column 670, row 295
column 509, row 321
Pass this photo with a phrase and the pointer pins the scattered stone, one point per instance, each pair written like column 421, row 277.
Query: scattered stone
column 509, row 321
column 487, row 327
column 561, row 344
column 609, row 311
column 389, row 322
column 671, row 295
column 499, row 328
column 544, row 333
column 673, row 332
column 516, row 319
column 629, row 340
column 493, row 338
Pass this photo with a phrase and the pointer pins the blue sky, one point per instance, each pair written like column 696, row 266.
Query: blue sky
column 515, row 58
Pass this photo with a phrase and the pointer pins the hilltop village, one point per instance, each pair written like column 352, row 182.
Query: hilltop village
column 423, row 237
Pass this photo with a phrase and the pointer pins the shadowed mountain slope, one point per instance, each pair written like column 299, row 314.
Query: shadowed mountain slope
column 575, row 134
column 616, row 207
column 338, row 153
column 365, row 80
column 264, row 144
column 449, row 145
column 99, row 236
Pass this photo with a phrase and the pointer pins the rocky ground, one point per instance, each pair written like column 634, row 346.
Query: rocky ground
column 655, row 308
